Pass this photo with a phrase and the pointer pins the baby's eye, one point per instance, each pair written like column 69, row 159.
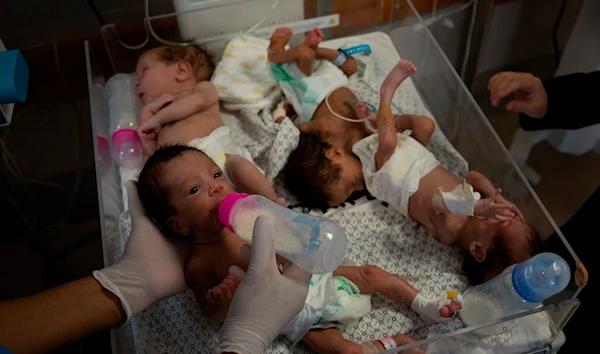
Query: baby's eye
column 218, row 174
column 193, row 190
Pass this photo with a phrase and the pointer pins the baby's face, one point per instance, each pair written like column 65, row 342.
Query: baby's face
column 196, row 189
column 154, row 77
column 351, row 180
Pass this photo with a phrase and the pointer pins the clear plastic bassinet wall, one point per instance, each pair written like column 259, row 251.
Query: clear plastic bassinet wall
column 439, row 86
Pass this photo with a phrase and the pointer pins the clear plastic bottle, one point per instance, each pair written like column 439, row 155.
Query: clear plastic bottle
column 123, row 109
column 519, row 288
column 315, row 244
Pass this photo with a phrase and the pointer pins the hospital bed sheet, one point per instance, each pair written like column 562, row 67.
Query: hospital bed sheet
column 377, row 234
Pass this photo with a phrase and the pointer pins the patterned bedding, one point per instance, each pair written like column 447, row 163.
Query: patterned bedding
column 377, row 234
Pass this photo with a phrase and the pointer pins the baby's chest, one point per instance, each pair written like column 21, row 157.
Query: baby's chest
column 225, row 258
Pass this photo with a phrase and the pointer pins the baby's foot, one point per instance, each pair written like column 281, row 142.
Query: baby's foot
column 449, row 310
column 313, row 38
column 363, row 111
column 399, row 73
column 280, row 38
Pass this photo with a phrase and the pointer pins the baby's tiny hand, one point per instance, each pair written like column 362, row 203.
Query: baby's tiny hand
column 150, row 129
column 159, row 104
column 498, row 198
column 490, row 208
column 223, row 292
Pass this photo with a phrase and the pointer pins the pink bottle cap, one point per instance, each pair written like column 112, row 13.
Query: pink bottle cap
column 226, row 207
column 125, row 135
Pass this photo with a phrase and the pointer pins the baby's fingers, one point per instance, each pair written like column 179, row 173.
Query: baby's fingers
column 218, row 294
column 231, row 282
column 210, row 296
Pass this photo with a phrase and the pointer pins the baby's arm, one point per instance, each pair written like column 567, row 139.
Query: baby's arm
column 213, row 297
column 421, row 126
column 493, row 205
column 248, row 179
column 149, row 144
column 203, row 96
column 481, row 184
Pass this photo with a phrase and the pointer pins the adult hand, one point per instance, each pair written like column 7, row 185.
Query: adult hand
column 151, row 267
column 529, row 91
column 266, row 300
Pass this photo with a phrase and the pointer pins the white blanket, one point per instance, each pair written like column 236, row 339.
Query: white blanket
column 377, row 234
column 242, row 78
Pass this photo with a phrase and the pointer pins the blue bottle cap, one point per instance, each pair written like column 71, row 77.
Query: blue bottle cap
column 541, row 276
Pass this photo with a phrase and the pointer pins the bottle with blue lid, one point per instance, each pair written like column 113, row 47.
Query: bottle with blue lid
column 519, row 288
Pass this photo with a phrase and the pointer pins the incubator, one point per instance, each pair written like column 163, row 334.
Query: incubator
column 464, row 140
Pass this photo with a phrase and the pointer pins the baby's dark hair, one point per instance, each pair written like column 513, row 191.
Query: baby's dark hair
column 499, row 256
column 201, row 63
column 309, row 171
column 153, row 195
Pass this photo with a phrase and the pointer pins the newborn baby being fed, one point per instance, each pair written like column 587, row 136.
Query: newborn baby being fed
column 180, row 106
column 181, row 189
column 398, row 169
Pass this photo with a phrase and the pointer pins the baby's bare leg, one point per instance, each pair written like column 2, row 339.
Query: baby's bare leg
column 330, row 341
column 385, row 117
column 248, row 179
column 303, row 54
column 399, row 73
column 349, row 67
column 371, row 279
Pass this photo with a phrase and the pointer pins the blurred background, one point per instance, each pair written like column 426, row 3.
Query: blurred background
column 49, row 203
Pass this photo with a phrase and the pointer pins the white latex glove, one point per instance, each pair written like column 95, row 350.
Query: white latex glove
column 151, row 268
column 265, row 301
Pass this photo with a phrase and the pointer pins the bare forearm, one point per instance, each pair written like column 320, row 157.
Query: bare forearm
column 481, row 183
column 182, row 108
column 247, row 178
column 56, row 317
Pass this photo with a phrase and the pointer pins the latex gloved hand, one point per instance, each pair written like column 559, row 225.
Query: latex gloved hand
column 530, row 94
column 436, row 310
column 266, row 300
column 152, row 266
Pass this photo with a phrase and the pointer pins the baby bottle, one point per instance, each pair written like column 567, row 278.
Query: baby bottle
column 315, row 244
column 123, row 108
column 518, row 288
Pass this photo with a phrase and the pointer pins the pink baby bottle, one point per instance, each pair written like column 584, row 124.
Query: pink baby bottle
column 123, row 109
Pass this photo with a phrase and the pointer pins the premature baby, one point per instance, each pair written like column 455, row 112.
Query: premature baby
column 181, row 189
column 399, row 170
column 180, row 106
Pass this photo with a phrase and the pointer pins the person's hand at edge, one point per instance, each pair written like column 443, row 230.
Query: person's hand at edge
column 152, row 265
column 265, row 301
column 530, row 95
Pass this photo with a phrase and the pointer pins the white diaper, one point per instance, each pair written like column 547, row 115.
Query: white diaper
column 306, row 93
column 332, row 301
column 217, row 145
column 398, row 179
